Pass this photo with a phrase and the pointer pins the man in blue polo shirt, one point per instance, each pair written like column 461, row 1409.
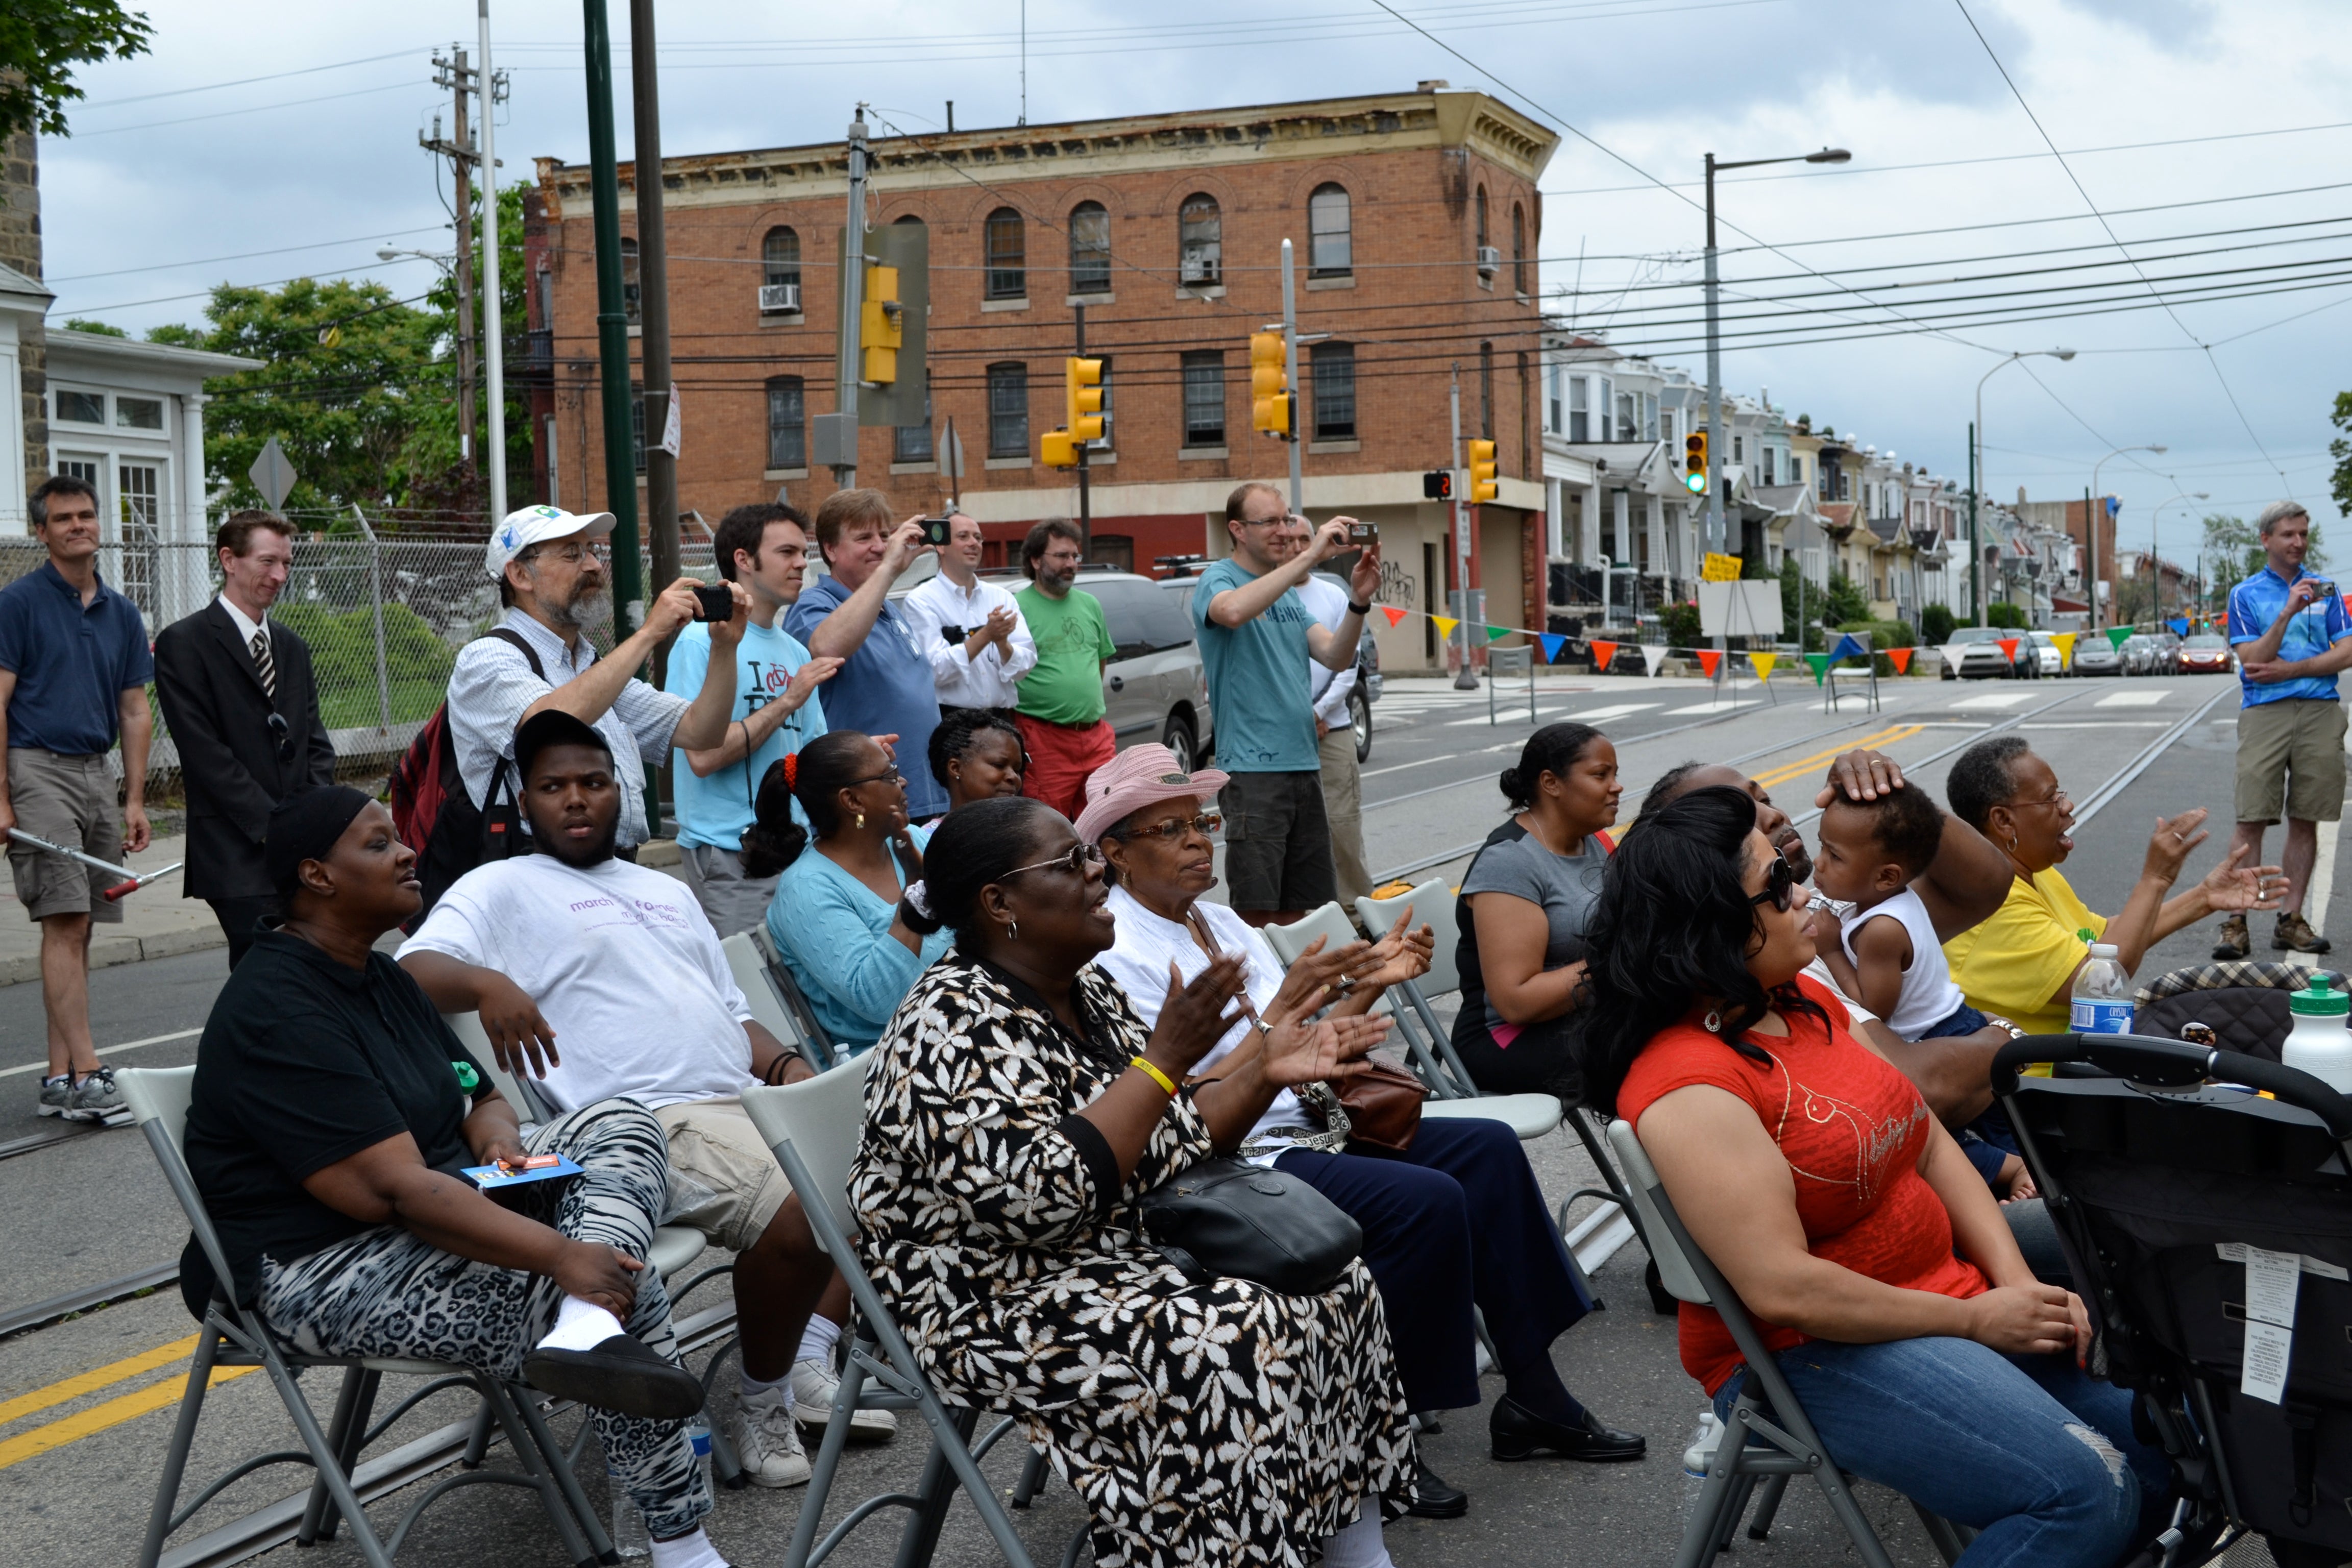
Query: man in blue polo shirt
column 2291, row 635
column 74, row 668
column 885, row 687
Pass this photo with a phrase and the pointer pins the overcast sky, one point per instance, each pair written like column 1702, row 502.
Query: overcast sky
column 264, row 139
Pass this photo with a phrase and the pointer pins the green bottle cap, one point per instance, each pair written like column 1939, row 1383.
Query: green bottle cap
column 2084, row 934
column 467, row 1079
column 2319, row 1001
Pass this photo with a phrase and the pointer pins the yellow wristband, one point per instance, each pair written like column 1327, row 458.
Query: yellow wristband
column 1155, row 1075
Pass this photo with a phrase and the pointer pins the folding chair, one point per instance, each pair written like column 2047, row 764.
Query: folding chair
column 747, row 957
column 234, row 1335
column 1767, row 1408
column 816, row 1042
column 812, row 1128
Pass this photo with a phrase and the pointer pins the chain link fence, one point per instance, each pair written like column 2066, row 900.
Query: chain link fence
column 384, row 620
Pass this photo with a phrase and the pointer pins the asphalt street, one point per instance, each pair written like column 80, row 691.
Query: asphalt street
column 85, row 1402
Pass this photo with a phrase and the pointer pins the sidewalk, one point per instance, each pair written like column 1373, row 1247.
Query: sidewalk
column 157, row 922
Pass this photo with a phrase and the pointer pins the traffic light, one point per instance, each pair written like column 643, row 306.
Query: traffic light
column 1482, row 472
column 1695, row 470
column 1269, row 384
column 880, row 334
column 1082, row 399
column 1056, row 451
column 1437, row 485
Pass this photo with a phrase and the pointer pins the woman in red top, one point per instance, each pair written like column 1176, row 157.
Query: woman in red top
column 1809, row 1170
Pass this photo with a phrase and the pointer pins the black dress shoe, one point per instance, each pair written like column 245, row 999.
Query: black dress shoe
column 621, row 1374
column 1438, row 1500
column 1519, row 1432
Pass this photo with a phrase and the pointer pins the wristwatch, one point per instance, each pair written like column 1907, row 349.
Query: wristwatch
column 1356, row 609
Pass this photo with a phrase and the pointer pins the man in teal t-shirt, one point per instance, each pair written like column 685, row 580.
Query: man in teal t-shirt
column 776, row 712
column 1256, row 638
column 1061, row 712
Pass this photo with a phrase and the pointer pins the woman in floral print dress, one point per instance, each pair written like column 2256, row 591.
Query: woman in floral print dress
column 1015, row 1111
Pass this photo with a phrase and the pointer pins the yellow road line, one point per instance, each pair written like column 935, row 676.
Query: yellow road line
column 95, row 1379
column 99, row 1418
column 1788, row 771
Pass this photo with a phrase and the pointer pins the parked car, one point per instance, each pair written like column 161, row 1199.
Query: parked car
column 2167, row 653
column 2095, row 655
column 2048, row 660
column 1185, row 581
column 2207, row 654
column 2139, row 654
column 1981, row 658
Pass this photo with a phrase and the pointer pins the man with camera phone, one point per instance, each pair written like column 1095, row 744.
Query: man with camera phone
column 971, row 631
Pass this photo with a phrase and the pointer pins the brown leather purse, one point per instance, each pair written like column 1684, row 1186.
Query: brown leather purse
column 1383, row 1105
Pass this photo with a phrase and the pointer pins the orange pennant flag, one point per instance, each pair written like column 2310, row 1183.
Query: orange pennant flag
column 1900, row 658
column 1395, row 615
column 2007, row 647
column 1602, row 652
column 1708, row 658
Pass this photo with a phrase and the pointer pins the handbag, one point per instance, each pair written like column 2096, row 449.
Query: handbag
column 1383, row 1105
column 1225, row 1218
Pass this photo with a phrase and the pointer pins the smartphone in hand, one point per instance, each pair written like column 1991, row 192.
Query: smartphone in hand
column 714, row 604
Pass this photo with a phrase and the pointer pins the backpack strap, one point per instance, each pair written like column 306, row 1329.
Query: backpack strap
column 522, row 644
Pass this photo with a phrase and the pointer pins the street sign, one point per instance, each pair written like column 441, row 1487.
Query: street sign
column 272, row 475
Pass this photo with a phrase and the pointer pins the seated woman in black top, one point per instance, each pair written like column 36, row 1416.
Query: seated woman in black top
column 327, row 1128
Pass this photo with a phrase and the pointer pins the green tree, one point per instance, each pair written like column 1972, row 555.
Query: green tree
column 76, row 324
column 436, row 450
column 2341, row 482
column 40, row 43
column 1936, row 624
column 2001, row 612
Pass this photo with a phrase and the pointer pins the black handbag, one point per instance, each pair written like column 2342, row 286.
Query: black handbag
column 1229, row 1219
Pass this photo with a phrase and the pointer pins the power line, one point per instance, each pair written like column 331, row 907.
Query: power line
column 246, row 255
column 246, row 81
column 253, row 108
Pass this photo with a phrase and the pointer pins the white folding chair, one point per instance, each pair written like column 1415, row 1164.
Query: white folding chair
column 810, row 1037
column 812, row 1128
column 1767, row 1408
column 235, row 1335
column 747, row 958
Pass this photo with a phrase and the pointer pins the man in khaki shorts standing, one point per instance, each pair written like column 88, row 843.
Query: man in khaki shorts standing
column 74, row 668
column 2291, row 635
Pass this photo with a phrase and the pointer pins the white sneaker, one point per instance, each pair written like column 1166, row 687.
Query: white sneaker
column 768, row 1442
column 813, row 1388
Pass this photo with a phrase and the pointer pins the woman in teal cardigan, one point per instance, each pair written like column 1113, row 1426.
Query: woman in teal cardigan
column 836, row 918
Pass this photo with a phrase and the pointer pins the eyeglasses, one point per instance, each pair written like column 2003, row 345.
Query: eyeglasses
column 1779, row 885
column 1207, row 824
column 572, row 553
column 2058, row 799
column 888, row 776
column 1076, row 862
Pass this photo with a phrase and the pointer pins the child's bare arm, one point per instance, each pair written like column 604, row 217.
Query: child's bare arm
column 1835, row 959
column 1882, row 950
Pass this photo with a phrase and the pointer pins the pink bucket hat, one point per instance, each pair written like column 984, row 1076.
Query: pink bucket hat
column 1137, row 777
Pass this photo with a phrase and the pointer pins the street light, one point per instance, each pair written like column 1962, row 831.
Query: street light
column 2155, row 561
column 2090, row 522
column 388, row 253
column 1976, row 466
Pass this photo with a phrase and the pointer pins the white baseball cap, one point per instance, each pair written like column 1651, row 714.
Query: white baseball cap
column 536, row 525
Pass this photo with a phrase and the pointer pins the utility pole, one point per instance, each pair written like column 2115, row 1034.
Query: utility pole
column 613, row 335
column 843, row 455
column 1465, row 678
column 1715, row 442
column 653, row 306
column 493, row 89
column 1290, row 376
column 1086, row 501
column 456, row 75
column 1976, row 551
column 2091, row 571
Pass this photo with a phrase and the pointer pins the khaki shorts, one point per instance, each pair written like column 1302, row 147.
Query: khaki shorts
column 713, row 1145
column 2291, row 747
column 68, row 801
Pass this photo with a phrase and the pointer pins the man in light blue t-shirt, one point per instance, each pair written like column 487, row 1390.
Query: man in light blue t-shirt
column 763, row 547
column 1256, row 638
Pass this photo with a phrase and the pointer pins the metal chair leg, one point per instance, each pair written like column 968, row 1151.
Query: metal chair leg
column 828, row 1460
column 1033, row 1480
column 921, row 1539
column 529, row 1459
column 176, row 1457
column 558, row 1461
column 1760, row 1527
column 477, row 1442
column 354, row 1407
column 322, row 1454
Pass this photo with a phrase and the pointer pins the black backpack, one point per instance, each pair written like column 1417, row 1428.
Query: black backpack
column 432, row 811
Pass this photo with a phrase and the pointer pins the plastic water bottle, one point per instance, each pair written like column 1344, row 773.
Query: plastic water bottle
column 629, row 1536
column 1697, row 1457
column 698, row 1431
column 2102, row 1004
column 2320, row 1043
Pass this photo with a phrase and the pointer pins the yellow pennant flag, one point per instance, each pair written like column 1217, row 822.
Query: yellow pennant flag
column 2065, row 641
column 1446, row 624
column 1763, row 663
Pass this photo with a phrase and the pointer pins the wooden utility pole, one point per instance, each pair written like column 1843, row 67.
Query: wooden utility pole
column 456, row 75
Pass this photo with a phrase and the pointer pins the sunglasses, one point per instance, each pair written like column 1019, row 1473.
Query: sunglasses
column 284, row 733
column 1779, row 885
column 1080, row 857
column 1208, row 825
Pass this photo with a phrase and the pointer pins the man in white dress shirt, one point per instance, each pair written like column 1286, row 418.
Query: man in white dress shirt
column 973, row 632
column 1335, row 731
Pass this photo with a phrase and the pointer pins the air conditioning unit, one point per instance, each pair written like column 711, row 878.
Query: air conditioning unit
column 1490, row 261
column 1197, row 270
column 779, row 299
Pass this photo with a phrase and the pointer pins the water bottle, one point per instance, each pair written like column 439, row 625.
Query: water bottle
column 2319, row 1044
column 629, row 1536
column 1697, row 1458
column 698, row 1431
column 2102, row 1003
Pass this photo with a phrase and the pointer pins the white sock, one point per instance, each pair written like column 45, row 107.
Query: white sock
column 688, row 1552
column 581, row 1326
column 1357, row 1546
column 751, row 1385
column 818, row 1339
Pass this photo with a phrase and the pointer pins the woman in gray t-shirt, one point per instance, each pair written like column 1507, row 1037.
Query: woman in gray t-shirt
column 1527, row 895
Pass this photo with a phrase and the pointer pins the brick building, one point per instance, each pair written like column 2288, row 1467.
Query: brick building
column 1414, row 218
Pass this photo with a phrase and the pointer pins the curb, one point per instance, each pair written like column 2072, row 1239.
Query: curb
column 106, row 951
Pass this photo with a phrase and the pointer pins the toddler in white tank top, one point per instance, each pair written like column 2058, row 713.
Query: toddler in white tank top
column 1888, row 956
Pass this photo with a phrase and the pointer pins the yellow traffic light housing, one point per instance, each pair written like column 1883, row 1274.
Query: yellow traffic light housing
column 1269, row 384
column 1482, row 472
column 1055, row 450
column 1695, row 468
column 1082, row 399
column 879, row 330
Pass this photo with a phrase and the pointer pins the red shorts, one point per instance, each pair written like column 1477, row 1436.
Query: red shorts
column 1061, row 757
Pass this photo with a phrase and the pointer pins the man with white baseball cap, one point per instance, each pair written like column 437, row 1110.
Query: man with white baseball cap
column 545, row 563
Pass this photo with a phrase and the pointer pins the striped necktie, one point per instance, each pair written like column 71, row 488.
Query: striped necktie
column 267, row 666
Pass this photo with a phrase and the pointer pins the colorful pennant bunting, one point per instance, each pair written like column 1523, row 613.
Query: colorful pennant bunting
column 2007, row 647
column 2180, row 625
column 1846, row 645
column 1602, row 652
column 1709, row 659
column 1653, row 654
column 2118, row 636
column 1821, row 663
column 1496, row 634
column 1552, row 643
column 1900, row 658
column 2065, row 641
column 1444, row 623
column 1763, row 663
column 1395, row 615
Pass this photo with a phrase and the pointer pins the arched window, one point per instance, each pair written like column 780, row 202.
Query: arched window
column 1200, row 241
column 1008, row 271
column 1089, row 248
column 1331, row 251
column 1518, row 248
column 780, row 257
column 1482, row 241
column 632, row 296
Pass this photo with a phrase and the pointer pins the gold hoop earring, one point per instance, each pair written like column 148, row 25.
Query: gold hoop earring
column 861, row 819
column 1013, row 930
column 2012, row 843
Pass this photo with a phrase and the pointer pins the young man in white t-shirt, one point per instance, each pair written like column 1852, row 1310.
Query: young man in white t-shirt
column 602, row 979
column 777, row 712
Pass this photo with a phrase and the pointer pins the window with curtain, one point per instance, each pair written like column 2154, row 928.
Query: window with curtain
column 1331, row 240
column 1008, row 410
column 1200, row 241
column 779, row 253
column 1518, row 248
column 1089, row 248
column 787, row 423
column 1580, row 415
column 1205, row 398
column 1333, row 367
column 1008, row 264
column 632, row 296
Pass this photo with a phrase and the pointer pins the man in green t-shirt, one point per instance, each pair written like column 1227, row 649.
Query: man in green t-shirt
column 1061, row 712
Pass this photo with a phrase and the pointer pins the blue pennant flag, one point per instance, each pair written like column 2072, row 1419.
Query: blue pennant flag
column 1847, row 645
column 2179, row 626
column 1553, row 642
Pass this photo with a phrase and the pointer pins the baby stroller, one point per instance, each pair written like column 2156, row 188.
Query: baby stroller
column 2204, row 1202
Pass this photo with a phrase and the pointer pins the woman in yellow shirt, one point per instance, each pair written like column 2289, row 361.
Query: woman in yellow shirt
column 2019, row 963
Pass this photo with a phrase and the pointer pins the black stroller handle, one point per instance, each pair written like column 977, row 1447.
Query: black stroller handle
column 2146, row 1058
